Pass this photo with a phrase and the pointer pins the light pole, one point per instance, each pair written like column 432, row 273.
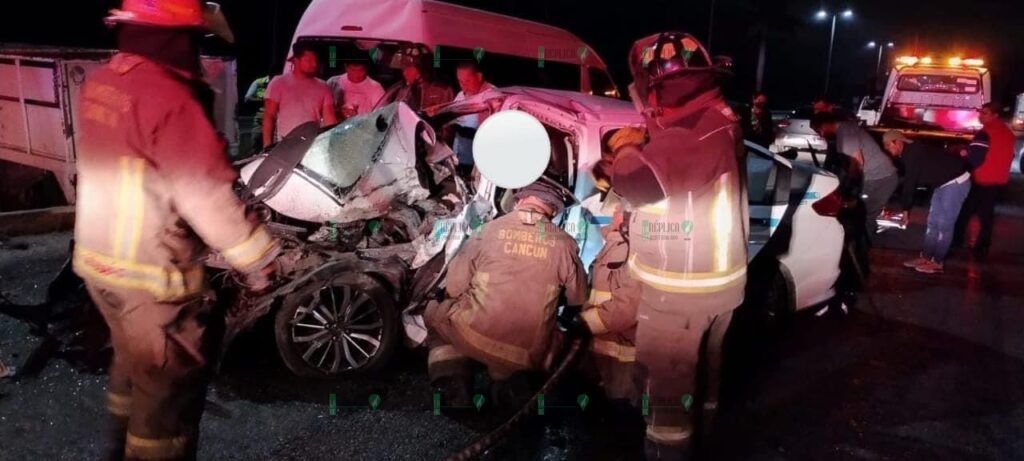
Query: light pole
column 822, row 15
column 711, row 25
column 881, row 49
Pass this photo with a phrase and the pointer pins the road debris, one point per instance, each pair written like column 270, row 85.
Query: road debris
column 6, row 371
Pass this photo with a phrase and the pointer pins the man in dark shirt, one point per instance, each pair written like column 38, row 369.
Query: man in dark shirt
column 757, row 123
column 989, row 157
column 946, row 172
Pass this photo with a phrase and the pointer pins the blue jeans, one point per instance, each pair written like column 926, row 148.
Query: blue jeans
column 945, row 207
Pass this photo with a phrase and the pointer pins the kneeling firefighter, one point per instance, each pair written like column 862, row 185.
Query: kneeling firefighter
column 502, row 290
column 154, row 190
column 688, row 233
column 610, row 315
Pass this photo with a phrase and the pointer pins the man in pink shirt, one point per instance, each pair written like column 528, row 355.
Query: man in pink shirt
column 297, row 97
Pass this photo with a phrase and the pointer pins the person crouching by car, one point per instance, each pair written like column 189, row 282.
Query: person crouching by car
column 880, row 177
column 503, row 289
column 946, row 172
column 610, row 315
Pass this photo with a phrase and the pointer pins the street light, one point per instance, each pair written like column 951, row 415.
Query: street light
column 881, row 49
column 822, row 15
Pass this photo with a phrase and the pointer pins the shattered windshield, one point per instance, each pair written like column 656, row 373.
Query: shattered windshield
column 342, row 154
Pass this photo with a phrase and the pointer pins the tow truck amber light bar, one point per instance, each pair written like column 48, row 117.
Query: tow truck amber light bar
column 929, row 61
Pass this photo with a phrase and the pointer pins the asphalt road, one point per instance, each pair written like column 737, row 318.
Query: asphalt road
column 923, row 367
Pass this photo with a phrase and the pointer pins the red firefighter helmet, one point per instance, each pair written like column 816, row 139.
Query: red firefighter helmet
column 173, row 13
column 160, row 13
column 661, row 58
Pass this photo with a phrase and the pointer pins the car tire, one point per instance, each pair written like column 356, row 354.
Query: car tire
column 777, row 299
column 336, row 327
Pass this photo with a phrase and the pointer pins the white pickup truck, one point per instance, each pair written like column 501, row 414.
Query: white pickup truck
column 39, row 89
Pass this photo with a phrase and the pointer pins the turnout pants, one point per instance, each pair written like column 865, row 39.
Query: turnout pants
column 615, row 372
column 451, row 356
column 159, row 372
column 675, row 335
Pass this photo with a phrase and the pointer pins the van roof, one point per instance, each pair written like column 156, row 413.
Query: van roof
column 586, row 105
column 437, row 23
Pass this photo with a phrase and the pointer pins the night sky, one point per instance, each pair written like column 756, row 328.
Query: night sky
column 797, row 43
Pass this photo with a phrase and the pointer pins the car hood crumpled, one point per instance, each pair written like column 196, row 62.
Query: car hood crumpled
column 355, row 170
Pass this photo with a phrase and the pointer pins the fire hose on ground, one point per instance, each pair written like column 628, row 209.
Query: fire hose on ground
column 481, row 445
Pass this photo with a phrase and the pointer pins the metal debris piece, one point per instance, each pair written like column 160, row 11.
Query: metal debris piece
column 6, row 371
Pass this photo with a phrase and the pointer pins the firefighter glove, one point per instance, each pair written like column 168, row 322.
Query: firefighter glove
column 626, row 137
column 571, row 321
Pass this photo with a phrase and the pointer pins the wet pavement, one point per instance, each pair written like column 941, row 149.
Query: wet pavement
column 924, row 366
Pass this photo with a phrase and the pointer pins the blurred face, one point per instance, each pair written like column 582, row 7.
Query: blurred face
column 411, row 74
column 355, row 72
column 894, row 147
column 822, row 107
column 306, row 64
column 760, row 101
column 986, row 115
column 828, row 130
column 470, row 80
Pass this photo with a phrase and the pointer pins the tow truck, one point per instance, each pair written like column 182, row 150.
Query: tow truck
column 939, row 99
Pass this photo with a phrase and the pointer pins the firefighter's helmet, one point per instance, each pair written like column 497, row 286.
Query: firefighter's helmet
column 669, row 56
column 160, row 13
column 661, row 56
column 549, row 191
column 173, row 14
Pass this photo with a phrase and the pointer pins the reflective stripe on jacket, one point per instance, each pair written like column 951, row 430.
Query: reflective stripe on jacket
column 154, row 184
column 610, row 312
column 507, row 281
column 688, row 232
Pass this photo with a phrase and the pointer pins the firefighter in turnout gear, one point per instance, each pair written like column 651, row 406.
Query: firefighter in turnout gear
column 154, row 189
column 610, row 314
column 688, row 233
column 503, row 289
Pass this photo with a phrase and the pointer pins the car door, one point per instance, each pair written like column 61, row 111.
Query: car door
column 768, row 196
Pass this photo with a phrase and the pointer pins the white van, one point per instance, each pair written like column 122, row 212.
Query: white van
column 510, row 50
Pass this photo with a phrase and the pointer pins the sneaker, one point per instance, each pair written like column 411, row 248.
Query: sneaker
column 914, row 263
column 930, row 267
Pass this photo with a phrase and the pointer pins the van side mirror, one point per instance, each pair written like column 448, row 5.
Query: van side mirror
column 724, row 62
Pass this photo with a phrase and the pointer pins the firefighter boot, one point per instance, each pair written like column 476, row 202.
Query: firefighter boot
column 116, row 438
column 666, row 452
column 454, row 389
column 510, row 394
column 709, row 413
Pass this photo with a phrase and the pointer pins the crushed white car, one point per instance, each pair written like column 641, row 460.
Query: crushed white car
column 338, row 312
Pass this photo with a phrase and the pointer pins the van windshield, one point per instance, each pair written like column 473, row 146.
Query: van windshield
column 930, row 83
column 499, row 69
column 377, row 55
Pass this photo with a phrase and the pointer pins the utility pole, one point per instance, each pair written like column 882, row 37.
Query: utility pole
column 878, row 66
column 831, row 45
column 711, row 25
column 822, row 14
